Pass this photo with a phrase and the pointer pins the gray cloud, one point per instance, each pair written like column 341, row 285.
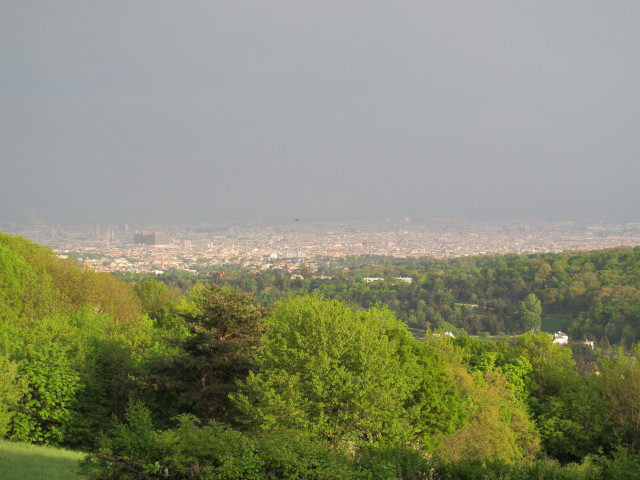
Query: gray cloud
column 320, row 109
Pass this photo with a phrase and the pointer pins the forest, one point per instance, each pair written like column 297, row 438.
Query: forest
column 268, row 375
column 590, row 295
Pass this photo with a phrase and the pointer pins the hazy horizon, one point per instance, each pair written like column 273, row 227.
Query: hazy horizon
column 91, row 220
column 279, row 110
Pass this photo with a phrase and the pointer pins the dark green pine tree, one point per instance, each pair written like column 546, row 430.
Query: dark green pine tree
column 224, row 329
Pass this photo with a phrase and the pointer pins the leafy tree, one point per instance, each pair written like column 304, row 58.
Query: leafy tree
column 499, row 428
column 106, row 294
column 37, row 284
column 499, row 357
column 620, row 384
column 12, row 388
column 531, row 311
column 156, row 298
column 553, row 368
column 577, row 422
column 348, row 375
column 44, row 411
column 107, row 367
column 24, row 291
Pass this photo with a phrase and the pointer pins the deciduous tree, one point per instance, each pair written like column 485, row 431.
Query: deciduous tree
column 350, row 376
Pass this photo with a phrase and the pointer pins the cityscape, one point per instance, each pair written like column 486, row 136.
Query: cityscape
column 146, row 247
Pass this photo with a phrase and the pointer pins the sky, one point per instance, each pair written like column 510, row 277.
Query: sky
column 254, row 109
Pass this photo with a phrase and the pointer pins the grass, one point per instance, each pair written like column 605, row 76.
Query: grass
column 22, row 461
column 556, row 322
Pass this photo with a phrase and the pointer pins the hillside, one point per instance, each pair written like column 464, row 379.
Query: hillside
column 209, row 381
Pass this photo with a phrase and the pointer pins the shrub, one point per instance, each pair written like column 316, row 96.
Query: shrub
column 391, row 461
column 134, row 450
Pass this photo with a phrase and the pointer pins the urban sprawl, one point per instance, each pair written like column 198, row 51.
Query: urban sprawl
column 144, row 247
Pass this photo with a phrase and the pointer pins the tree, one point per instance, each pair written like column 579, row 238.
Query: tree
column 577, row 422
column 12, row 388
column 155, row 298
column 531, row 311
column 223, row 329
column 107, row 294
column 350, row 376
column 499, row 427
column 25, row 291
column 554, row 369
column 44, row 411
column 620, row 384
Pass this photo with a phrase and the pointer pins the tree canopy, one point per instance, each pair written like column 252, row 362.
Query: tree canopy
column 348, row 375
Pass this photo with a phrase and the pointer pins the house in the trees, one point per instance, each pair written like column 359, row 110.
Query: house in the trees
column 560, row 338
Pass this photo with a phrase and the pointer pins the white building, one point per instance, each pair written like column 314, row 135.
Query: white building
column 560, row 338
column 405, row 279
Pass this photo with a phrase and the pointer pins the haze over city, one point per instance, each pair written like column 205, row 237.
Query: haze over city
column 319, row 110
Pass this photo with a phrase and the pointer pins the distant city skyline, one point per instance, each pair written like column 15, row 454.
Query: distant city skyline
column 200, row 246
column 279, row 110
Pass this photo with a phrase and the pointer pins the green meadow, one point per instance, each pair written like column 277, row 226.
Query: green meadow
column 21, row 461
column 555, row 322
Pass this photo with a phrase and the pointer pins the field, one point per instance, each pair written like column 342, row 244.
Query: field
column 21, row 461
column 555, row 322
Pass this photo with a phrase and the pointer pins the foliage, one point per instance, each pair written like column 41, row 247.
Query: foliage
column 58, row 324
column 553, row 368
column 44, row 411
column 156, row 299
column 135, row 450
column 393, row 461
column 531, row 311
column 577, row 422
column 321, row 388
column 497, row 470
column 348, row 375
column 620, row 384
column 623, row 465
column 500, row 357
column 24, row 292
column 12, row 388
column 499, row 428
column 36, row 284
column 480, row 294
column 223, row 329
column 193, row 451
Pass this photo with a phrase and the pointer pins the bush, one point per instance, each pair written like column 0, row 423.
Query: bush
column 12, row 388
column 134, row 450
column 540, row 470
column 623, row 465
column 393, row 461
column 44, row 411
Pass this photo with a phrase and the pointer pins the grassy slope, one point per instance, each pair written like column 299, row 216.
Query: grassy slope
column 556, row 322
column 21, row 461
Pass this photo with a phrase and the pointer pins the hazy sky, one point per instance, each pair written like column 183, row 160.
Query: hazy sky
column 273, row 109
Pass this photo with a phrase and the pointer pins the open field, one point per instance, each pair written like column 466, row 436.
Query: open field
column 555, row 322
column 21, row 461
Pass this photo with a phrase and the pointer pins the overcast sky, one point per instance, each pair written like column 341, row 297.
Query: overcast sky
column 271, row 109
